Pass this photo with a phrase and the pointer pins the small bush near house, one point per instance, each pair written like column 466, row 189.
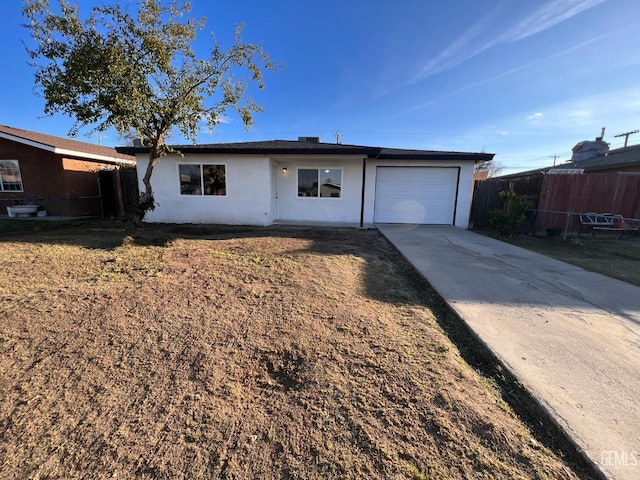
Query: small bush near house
column 508, row 218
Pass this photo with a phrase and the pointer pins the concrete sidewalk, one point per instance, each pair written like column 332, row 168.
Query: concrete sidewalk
column 572, row 337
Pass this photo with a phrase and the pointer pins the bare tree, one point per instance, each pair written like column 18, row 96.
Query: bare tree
column 491, row 167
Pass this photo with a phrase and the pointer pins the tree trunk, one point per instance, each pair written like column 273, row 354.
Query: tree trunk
column 146, row 198
column 146, row 201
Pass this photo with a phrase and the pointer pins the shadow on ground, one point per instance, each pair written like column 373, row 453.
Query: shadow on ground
column 380, row 262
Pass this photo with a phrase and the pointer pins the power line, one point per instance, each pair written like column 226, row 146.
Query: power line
column 626, row 136
column 554, row 156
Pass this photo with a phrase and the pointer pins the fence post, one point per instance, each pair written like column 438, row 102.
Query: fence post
column 566, row 226
column 121, row 211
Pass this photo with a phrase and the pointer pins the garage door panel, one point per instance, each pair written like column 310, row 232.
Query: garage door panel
column 415, row 195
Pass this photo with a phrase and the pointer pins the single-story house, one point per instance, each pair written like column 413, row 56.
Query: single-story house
column 58, row 174
column 307, row 181
column 620, row 160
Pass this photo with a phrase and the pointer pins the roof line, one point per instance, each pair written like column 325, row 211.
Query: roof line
column 62, row 151
column 322, row 149
column 93, row 156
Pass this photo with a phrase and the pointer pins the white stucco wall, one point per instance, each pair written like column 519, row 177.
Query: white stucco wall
column 259, row 192
column 463, row 205
column 247, row 202
column 465, row 195
column 345, row 209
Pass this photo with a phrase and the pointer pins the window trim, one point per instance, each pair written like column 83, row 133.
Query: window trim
column 2, row 190
column 202, row 165
column 318, row 169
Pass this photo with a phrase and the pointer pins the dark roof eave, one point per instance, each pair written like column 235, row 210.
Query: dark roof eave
column 611, row 166
column 259, row 151
column 370, row 152
column 435, row 156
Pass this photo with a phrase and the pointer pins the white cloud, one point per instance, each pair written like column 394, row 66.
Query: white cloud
column 581, row 114
column 545, row 17
column 470, row 45
column 506, row 73
column 615, row 109
column 456, row 53
column 556, row 128
column 224, row 119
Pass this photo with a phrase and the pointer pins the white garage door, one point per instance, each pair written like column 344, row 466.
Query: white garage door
column 415, row 195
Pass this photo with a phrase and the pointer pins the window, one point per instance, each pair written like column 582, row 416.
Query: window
column 202, row 179
column 10, row 178
column 319, row 182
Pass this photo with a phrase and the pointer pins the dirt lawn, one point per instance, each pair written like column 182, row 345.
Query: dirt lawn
column 175, row 353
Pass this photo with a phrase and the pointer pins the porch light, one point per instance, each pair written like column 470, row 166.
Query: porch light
column 284, row 169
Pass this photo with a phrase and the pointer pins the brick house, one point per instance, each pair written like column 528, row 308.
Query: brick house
column 58, row 174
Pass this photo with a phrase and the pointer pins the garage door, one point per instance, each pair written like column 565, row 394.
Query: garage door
column 416, row 195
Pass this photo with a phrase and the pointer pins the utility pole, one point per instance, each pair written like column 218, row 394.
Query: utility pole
column 554, row 156
column 337, row 135
column 100, row 135
column 626, row 135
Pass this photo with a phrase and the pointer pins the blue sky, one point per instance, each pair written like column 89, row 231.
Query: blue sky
column 524, row 79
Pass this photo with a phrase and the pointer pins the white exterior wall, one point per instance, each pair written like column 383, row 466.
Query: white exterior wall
column 465, row 195
column 247, row 202
column 345, row 209
column 259, row 192
column 463, row 205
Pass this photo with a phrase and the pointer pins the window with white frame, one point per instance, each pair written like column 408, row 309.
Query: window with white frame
column 202, row 179
column 10, row 178
column 320, row 182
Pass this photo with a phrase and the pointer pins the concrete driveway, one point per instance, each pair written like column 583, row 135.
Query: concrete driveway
column 572, row 337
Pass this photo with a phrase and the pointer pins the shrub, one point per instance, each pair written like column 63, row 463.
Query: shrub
column 508, row 218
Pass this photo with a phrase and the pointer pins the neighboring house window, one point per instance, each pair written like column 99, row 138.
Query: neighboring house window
column 202, row 179
column 10, row 178
column 320, row 182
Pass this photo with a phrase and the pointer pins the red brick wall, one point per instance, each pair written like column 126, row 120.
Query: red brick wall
column 63, row 186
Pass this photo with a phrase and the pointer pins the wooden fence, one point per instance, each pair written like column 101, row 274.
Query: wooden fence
column 118, row 192
column 485, row 196
column 571, row 195
column 559, row 199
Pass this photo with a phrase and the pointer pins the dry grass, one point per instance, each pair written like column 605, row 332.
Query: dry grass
column 239, row 353
column 605, row 254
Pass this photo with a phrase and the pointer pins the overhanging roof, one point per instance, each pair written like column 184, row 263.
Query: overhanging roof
column 66, row 146
column 620, row 158
column 293, row 147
